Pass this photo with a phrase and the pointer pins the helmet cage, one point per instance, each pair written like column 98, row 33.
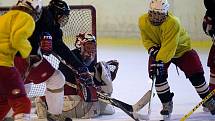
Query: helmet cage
column 156, row 18
column 83, row 38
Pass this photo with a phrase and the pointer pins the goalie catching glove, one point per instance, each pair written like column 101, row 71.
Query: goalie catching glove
column 86, row 87
column 105, row 73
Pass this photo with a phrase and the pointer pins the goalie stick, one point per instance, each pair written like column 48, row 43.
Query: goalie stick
column 198, row 105
column 130, row 110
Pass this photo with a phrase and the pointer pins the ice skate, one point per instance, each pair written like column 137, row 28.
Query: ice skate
column 167, row 109
column 210, row 105
column 52, row 117
column 205, row 109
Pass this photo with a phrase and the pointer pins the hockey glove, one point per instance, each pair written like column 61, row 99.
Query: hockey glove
column 86, row 87
column 46, row 43
column 156, row 69
column 208, row 26
column 153, row 51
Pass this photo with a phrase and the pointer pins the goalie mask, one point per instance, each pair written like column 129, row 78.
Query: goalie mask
column 60, row 10
column 32, row 7
column 86, row 43
column 158, row 11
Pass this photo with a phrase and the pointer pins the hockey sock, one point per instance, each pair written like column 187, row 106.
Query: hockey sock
column 198, row 81
column 163, row 90
column 212, row 79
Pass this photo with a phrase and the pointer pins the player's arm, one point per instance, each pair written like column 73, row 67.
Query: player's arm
column 64, row 52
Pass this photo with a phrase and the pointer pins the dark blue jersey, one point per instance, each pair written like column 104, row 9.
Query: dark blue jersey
column 210, row 6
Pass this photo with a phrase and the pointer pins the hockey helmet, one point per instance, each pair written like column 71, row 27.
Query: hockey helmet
column 60, row 10
column 83, row 38
column 86, row 43
column 158, row 10
column 34, row 7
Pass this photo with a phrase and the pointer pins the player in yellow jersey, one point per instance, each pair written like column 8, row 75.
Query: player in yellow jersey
column 168, row 42
column 16, row 25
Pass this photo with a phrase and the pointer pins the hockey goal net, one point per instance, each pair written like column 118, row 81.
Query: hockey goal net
column 82, row 19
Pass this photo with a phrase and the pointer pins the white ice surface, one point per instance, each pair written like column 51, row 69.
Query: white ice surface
column 132, row 82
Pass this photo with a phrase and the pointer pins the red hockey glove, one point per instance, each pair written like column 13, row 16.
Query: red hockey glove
column 46, row 43
column 86, row 87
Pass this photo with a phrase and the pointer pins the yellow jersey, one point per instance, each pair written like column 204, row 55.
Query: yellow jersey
column 172, row 38
column 15, row 28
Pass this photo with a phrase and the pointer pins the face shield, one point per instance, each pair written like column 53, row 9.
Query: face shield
column 62, row 20
column 88, row 52
column 156, row 18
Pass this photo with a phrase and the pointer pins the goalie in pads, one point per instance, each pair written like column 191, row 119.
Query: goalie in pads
column 80, row 100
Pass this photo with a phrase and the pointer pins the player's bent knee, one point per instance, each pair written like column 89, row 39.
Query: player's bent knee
column 56, row 81
column 20, row 105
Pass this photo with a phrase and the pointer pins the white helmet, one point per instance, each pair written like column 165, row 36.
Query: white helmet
column 34, row 5
column 161, row 6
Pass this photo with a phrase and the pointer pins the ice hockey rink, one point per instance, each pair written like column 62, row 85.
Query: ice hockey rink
column 132, row 83
column 132, row 80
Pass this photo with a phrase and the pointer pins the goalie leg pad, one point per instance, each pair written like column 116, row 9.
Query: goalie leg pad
column 106, row 109
column 55, row 93
column 40, row 108
column 76, row 107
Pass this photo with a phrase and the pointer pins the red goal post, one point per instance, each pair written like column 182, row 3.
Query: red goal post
column 82, row 19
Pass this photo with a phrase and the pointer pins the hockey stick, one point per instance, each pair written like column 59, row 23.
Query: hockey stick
column 152, row 94
column 131, row 110
column 198, row 105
